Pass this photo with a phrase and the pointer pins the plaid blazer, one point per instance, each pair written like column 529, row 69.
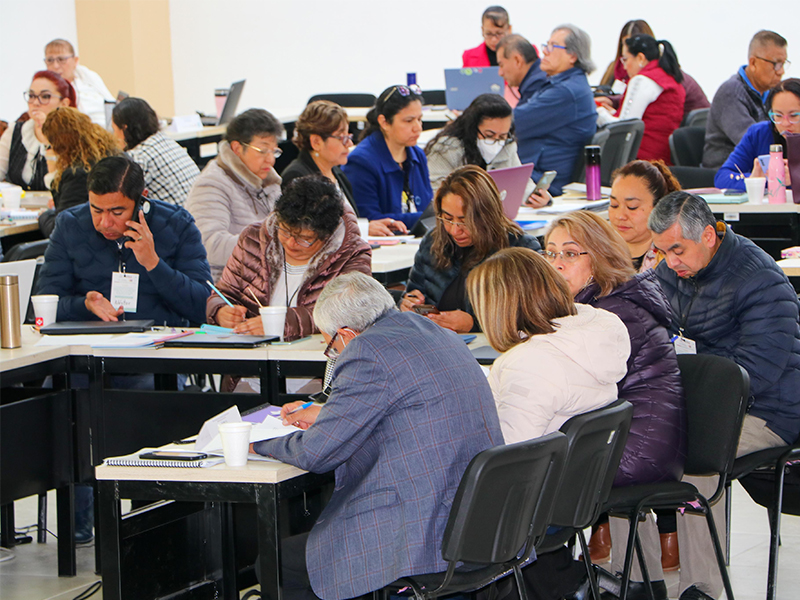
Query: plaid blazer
column 410, row 407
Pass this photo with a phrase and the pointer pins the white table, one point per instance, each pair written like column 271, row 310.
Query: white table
column 790, row 266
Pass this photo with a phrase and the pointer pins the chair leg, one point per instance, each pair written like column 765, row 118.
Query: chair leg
column 587, row 561
column 41, row 536
column 712, row 529
column 728, row 510
column 643, row 566
column 626, row 572
column 523, row 592
column 775, row 531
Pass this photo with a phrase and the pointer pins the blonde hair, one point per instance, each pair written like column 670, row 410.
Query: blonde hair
column 609, row 255
column 516, row 294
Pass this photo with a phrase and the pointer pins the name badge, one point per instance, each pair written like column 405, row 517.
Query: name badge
column 684, row 345
column 125, row 291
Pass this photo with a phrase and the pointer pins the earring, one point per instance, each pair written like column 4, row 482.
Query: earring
column 316, row 154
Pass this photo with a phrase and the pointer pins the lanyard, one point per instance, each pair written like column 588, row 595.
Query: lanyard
column 685, row 314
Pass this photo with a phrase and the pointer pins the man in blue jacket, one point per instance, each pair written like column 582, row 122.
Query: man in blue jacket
column 560, row 118
column 408, row 410
column 519, row 66
column 155, row 245
column 728, row 298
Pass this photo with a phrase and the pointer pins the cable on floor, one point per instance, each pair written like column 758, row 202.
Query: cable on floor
column 6, row 554
column 90, row 591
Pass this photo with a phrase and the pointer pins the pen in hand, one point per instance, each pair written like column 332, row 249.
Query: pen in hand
column 303, row 406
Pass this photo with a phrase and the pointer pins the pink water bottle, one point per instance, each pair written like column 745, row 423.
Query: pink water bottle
column 776, row 175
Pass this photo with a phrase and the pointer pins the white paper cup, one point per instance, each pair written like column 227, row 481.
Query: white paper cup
column 45, row 307
column 235, row 442
column 363, row 227
column 755, row 189
column 12, row 197
column 273, row 318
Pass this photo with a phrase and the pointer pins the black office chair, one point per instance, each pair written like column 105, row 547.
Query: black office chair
column 694, row 177
column 347, row 100
column 26, row 250
column 622, row 146
column 686, row 146
column 696, row 118
column 502, row 507
column 599, row 139
column 434, row 97
column 716, row 391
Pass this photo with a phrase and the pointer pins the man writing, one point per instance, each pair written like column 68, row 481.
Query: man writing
column 409, row 408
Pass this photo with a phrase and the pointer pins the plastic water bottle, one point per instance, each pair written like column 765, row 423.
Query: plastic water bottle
column 776, row 177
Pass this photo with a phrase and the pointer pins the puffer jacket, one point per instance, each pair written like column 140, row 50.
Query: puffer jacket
column 742, row 306
column 257, row 262
column 433, row 282
column 226, row 198
column 656, row 446
column 79, row 260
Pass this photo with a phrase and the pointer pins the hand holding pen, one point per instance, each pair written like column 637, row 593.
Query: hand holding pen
column 300, row 414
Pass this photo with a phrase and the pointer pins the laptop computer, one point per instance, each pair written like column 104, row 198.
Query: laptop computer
column 222, row 340
column 25, row 270
column 511, row 183
column 229, row 110
column 88, row 327
column 462, row 86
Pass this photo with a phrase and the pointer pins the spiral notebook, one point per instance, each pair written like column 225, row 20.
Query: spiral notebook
column 133, row 460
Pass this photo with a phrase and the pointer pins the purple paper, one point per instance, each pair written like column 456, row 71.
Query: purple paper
column 261, row 414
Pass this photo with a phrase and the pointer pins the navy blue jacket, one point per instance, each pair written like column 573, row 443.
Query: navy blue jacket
column 742, row 307
column 79, row 260
column 555, row 124
column 756, row 141
column 377, row 180
column 533, row 81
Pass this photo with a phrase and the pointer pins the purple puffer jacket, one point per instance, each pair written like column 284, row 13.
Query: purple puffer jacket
column 656, row 446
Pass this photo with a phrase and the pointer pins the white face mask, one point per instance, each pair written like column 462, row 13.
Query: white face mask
column 489, row 151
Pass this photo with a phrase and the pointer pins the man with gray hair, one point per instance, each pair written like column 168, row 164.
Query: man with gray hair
column 409, row 408
column 739, row 102
column 559, row 119
column 519, row 66
column 728, row 298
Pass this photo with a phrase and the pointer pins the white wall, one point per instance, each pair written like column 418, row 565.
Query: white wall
column 290, row 50
column 27, row 25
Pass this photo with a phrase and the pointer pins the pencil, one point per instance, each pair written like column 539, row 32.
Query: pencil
column 213, row 287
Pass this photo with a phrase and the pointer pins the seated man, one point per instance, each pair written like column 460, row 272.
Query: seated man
column 408, row 410
column 739, row 102
column 728, row 298
column 556, row 122
column 519, row 66
column 494, row 27
column 60, row 57
column 120, row 231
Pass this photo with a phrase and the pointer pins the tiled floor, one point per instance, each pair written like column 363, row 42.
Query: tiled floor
column 31, row 575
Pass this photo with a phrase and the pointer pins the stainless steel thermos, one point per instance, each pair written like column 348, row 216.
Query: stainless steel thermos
column 10, row 331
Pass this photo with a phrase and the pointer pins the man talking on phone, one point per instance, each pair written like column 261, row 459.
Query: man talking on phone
column 122, row 256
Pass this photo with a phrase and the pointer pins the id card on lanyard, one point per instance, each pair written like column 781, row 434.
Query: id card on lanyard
column 125, row 290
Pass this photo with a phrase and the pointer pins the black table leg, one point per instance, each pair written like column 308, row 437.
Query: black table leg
column 41, row 536
column 65, row 514
column 269, row 542
column 230, row 585
column 110, row 541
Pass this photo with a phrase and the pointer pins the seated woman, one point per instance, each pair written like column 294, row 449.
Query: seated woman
column 23, row 145
column 77, row 144
column 470, row 227
column 169, row 171
column 239, row 186
column 388, row 172
column 595, row 262
column 783, row 108
column 636, row 188
column 288, row 258
column 484, row 136
column 654, row 94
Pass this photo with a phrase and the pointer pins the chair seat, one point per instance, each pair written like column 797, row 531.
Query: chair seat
column 749, row 462
column 625, row 499
column 463, row 580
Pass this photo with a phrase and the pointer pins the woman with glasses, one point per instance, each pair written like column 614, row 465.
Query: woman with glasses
column 388, row 172
column 239, row 187
column 470, row 227
column 289, row 258
column 23, row 145
column 783, row 108
column 484, row 136
column 596, row 265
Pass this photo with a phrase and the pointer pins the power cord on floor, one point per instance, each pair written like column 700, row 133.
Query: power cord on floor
column 6, row 554
column 30, row 528
column 90, row 591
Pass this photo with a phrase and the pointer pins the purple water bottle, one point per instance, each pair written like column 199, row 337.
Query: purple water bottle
column 593, row 172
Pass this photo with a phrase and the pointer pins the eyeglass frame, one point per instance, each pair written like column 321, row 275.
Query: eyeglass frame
column 341, row 138
column 551, row 256
column 547, row 47
column 462, row 225
column 304, row 243
column 510, row 138
column 777, row 65
column 772, row 114
column 57, row 59
column 330, row 351
column 27, row 96
column 277, row 152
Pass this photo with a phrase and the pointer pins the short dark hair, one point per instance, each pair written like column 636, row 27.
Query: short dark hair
column 497, row 15
column 116, row 174
column 516, row 43
column 391, row 101
column 137, row 120
column 251, row 123
column 763, row 38
column 311, row 202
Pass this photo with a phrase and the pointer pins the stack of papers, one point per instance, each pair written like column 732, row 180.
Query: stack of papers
column 271, row 427
column 21, row 214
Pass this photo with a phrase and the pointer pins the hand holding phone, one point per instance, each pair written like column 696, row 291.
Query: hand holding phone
column 425, row 309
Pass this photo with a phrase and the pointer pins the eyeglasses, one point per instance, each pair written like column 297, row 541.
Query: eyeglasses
column 454, row 223
column 790, row 119
column 43, row 98
column 495, row 35
column 276, row 152
column 330, row 351
column 300, row 241
column 404, row 90
column 777, row 65
column 547, row 48
column 346, row 138
column 51, row 60
column 568, row 256
column 503, row 138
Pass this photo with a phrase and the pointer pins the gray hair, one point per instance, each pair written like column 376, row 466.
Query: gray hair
column 579, row 44
column 351, row 300
column 516, row 43
column 692, row 212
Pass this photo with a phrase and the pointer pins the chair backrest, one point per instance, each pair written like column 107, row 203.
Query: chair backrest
column 697, row 118
column 347, row 100
column 694, row 177
column 686, row 146
column 434, row 97
column 598, row 139
column 716, row 391
column 596, row 441
column 26, row 250
column 622, row 146
column 504, row 500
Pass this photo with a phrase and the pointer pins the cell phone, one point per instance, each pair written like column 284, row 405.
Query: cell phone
column 136, row 208
column 425, row 309
column 172, row 455
column 544, row 181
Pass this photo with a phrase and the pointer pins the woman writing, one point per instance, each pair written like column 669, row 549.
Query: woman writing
column 388, row 172
column 470, row 227
column 23, row 145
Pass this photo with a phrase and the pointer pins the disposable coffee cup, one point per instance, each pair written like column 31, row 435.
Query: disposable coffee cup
column 273, row 318
column 235, row 442
column 12, row 197
column 45, row 307
column 755, row 189
column 363, row 227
